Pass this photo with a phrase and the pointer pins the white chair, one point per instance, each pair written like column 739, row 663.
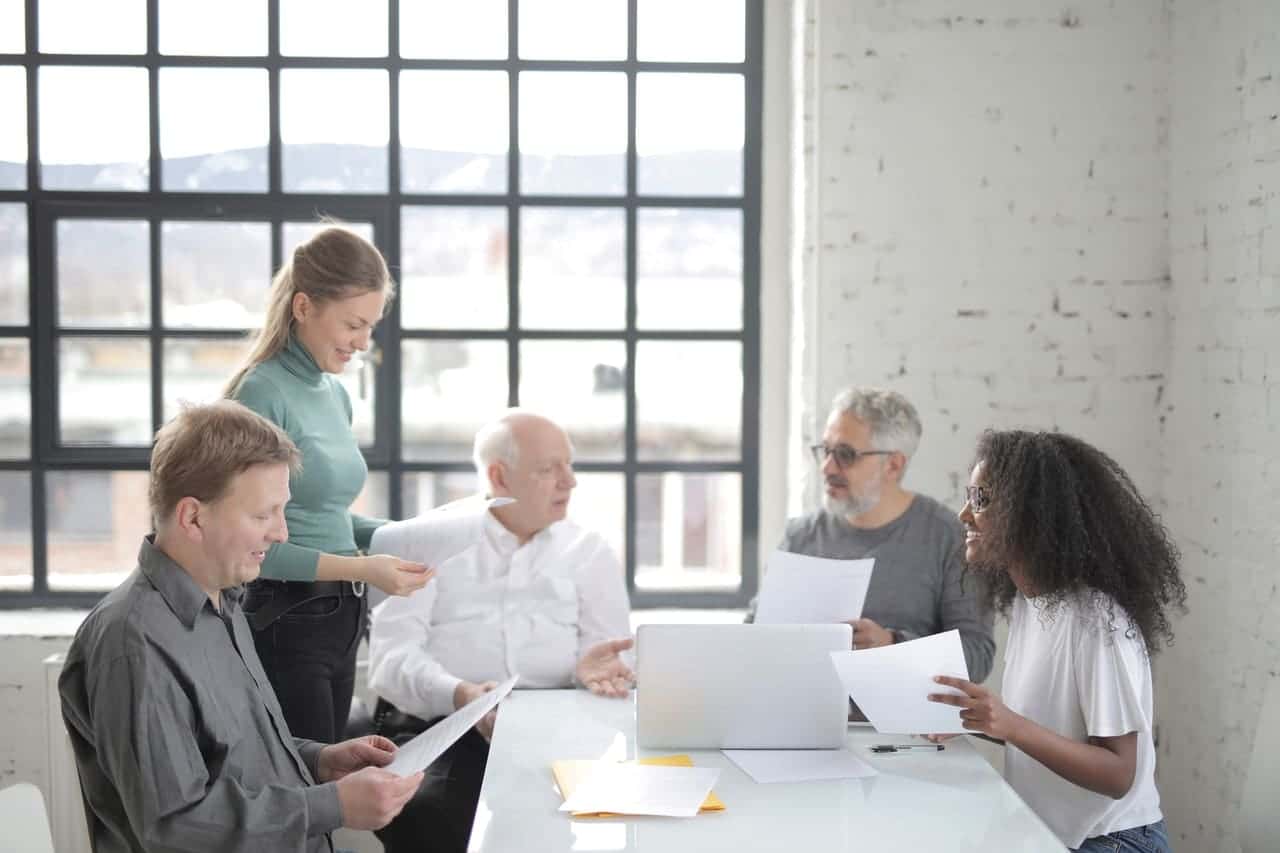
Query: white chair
column 26, row 826
column 1259, row 815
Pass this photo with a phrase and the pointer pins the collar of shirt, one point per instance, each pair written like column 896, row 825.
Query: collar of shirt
column 297, row 359
column 176, row 586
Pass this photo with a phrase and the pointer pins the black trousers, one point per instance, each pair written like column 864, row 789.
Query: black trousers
column 439, row 817
column 307, row 635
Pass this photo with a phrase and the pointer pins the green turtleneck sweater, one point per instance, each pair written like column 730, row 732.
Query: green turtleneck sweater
column 291, row 391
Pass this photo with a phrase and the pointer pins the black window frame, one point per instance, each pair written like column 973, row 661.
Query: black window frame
column 46, row 207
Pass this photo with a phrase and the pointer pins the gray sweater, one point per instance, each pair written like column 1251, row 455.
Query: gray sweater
column 916, row 587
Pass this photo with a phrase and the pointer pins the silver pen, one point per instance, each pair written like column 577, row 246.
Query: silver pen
column 903, row 747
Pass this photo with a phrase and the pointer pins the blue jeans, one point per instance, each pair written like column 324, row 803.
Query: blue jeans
column 1152, row 838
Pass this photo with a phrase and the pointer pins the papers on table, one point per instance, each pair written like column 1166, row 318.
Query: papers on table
column 569, row 774
column 418, row 753
column 799, row 765
column 803, row 590
column 891, row 684
column 642, row 789
column 437, row 535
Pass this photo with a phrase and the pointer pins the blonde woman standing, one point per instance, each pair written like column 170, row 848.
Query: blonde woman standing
column 308, row 608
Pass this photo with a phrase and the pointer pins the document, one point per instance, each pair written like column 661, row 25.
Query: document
column 799, row 765
column 642, row 789
column 801, row 590
column 891, row 684
column 437, row 535
column 418, row 753
column 571, row 772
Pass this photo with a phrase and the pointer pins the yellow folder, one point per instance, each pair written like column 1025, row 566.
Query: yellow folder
column 569, row 773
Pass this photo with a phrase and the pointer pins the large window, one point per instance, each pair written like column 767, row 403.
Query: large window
column 567, row 192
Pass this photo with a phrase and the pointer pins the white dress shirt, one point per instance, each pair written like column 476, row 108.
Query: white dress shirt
column 498, row 609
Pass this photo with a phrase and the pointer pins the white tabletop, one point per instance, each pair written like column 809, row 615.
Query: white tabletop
column 950, row 800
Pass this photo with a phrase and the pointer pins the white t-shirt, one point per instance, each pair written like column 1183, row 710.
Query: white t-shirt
column 1077, row 672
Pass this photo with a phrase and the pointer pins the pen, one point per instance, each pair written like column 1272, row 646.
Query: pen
column 903, row 747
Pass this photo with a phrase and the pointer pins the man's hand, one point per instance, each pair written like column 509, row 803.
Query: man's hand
column 980, row 709
column 602, row 671
column 371, row 797
column 341, row 759
column 467, row 692
column 869, row 635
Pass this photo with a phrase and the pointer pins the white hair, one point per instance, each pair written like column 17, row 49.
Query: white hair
column 495, row 442
column 893, row 421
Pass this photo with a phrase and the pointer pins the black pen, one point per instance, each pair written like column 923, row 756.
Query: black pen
column 903, row 747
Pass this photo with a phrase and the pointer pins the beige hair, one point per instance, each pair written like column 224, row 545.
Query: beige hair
column 199, row 452
column 335, row 264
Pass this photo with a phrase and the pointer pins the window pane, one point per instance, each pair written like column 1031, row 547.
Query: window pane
column 213, row 129
column 195, row 371
column 374, row 499
column 96, row 522
column 103, row 272
column 599, row 505
column 688, row 531
column 697, row 417
column 225, row 28
column 297, row 233
column 424, row 490
column 215, row 275
column 689, row 268
column 15, row 398
column 448, row 390
column 572, row 268
column 566, row 146
column 454, row 132
column 361, row 381
column 13, row 26
column 447, row 29
column 94, row 128
column 333, row 28
column 15, row 530
column 689, row 134
column 334, row 150
column 453, row 272
column 582, row 384
column 680, row 31
column 104, row 391
column 13, row 127
column 13, row 265
column 573, row 29
column 92, row 26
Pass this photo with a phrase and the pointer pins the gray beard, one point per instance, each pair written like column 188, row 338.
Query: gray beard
column 852, row 506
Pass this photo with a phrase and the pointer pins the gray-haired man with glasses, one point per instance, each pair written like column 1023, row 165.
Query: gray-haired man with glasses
column 916, row 587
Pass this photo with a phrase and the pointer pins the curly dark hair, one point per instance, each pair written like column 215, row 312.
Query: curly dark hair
column 1073, row 521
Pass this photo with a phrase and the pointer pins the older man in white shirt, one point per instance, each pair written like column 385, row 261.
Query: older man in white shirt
column 538, row 596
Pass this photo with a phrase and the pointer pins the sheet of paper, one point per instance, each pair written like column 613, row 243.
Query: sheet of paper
column 892, row 684
column 569, row 773
column 418, row 753
column 639, row 789
column 437, row 535
column 802, row 590
column 799, row 765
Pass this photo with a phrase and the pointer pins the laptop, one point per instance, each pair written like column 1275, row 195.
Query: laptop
column 740, row 686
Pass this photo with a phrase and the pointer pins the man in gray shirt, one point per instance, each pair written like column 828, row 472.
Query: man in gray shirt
column 178, row 737
column 917, row 587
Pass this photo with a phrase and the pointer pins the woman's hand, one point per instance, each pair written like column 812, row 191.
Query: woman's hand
column 980, row 709
column 395, row 576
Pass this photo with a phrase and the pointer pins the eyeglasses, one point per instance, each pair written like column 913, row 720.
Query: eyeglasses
column 843, row 453
column 977, row 497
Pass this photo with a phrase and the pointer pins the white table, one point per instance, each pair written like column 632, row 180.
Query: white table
column 921, row 801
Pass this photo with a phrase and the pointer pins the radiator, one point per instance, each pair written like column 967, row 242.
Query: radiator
column 66, row 807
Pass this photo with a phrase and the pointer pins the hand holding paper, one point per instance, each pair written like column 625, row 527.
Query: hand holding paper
column 802, row 590
column 892, row 684
column 418, row 753
column 437, row 535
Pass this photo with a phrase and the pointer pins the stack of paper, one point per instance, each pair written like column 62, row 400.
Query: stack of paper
column 891, row 684
column 666, row 785
column 802, row 590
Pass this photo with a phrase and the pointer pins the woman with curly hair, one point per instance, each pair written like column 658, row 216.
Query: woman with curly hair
column 1087, row 575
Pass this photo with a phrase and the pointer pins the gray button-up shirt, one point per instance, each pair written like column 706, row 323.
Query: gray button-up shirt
column 179, row 739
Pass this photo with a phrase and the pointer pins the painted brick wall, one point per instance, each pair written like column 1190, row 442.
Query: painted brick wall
column 1221, row 460
column 987, row 220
